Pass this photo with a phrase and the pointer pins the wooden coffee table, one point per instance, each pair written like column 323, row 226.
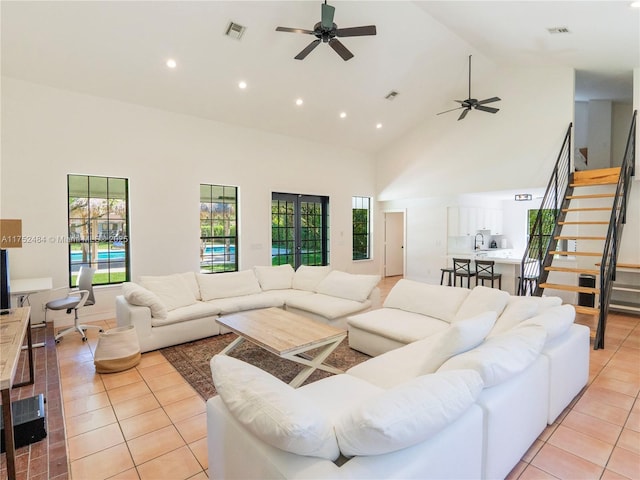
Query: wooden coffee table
column 287, row 335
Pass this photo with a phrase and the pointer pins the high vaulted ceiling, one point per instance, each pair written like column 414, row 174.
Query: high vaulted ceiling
column 118, row 50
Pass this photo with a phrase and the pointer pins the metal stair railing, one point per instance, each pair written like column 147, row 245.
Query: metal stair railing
column 541, row 239
column 614, row 233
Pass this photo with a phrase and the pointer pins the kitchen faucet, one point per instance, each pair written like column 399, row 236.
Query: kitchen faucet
column 475, row 241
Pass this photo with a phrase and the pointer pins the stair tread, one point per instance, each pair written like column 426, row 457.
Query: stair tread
column 590, row 209
column 593, row 195
column 600, row 176
column 582, row 254
column 570, row 288
column 588, row 222
column 590, row 271
column 577, row 237
column 587, row 310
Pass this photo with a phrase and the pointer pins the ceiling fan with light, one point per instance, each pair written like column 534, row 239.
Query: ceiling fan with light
column 326, row 31
column 471, row 103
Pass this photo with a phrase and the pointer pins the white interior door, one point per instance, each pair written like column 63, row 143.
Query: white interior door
column 393, row 244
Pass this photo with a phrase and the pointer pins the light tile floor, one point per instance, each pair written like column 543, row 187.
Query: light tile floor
column 148, row 423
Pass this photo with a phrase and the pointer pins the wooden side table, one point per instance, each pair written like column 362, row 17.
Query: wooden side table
column 13, row 327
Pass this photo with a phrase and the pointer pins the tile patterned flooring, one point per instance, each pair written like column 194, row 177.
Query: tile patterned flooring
column 148, row 423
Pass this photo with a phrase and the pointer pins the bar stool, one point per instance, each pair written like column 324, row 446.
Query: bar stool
column 449, row 272
column 484, row 271
column 462, row 269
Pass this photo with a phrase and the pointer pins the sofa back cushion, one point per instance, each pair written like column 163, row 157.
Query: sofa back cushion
column 482, row 299
column 307, row 277
column 554, row 320
column 407, row 414
column 137, row 295
column 432, row 300
column 502, row 356
column 517, row 310
column 192, row 281
column 273, row 411
column 348, row 285
column 173, row 290
column 229, row 284
column 426, row 355
column 278, row 277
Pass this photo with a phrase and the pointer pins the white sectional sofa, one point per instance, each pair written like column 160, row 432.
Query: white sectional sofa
column 172, row 309
column 466, row 400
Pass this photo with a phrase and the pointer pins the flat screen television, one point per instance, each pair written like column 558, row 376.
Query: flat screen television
column 5, row 294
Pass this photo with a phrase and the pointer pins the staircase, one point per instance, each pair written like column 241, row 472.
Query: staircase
column 588, row 208
column 585, row 189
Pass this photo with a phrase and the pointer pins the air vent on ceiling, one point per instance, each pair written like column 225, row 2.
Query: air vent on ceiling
column 391, row 95
column 235, row 30
column 553, row 30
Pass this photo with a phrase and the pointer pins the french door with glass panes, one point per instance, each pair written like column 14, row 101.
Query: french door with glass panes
column 299, row 229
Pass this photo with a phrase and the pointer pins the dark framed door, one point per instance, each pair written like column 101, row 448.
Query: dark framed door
column 299, row 229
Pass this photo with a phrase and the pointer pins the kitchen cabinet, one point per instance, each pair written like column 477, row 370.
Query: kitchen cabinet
column 468, row 220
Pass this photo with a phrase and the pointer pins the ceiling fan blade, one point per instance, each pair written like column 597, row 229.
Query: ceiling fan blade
column 487, row 109
column 356, row 31
column 327, row 16
column 294, row 30
column 489, row 100
column 340, row 49
column 464, row 113
column 307, row 50
column 451, row 110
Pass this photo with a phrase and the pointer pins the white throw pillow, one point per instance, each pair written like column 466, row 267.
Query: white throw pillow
column 307, row 277
column 273, row 411
column 502, row 356
column 173, row 290
column 137, row 295
column 555, row 320
column 227, row 285
column 348, row 285
column 517, row 310
column 435, row 301
column 407, row 414
column 275, row 278
column 480, row 300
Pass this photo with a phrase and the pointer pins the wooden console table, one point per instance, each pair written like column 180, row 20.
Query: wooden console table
column 13, row 327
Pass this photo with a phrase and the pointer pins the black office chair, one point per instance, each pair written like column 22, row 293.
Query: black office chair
column 74, row 301
column 462, row 269
column 484, row 271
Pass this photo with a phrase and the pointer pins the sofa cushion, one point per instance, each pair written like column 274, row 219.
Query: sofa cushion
column 327, row 306
column 348, row 285
column 482, row 299
column 137, row 295
column 277, row 277
column 426, row 355
column 399, row 325
column 555, row 320
column 243, row 303
column 173, row 290
column 502, row 356
column 229, row 284
column 431, row 300
column 307, row 277
column 192, row 281
column 517, row 310
column 273, row 411
column 184, row 314
column 407, row 414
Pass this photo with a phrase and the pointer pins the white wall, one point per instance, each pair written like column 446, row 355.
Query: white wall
column 49, row 133
column 426, row 170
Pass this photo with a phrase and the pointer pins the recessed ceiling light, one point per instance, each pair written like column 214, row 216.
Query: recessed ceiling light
column 378, row 125
column 343, row 114
column 242, row 85
column 299, row 101
column 171, row 63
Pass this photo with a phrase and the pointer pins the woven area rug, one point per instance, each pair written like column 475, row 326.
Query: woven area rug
column 191, row 360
